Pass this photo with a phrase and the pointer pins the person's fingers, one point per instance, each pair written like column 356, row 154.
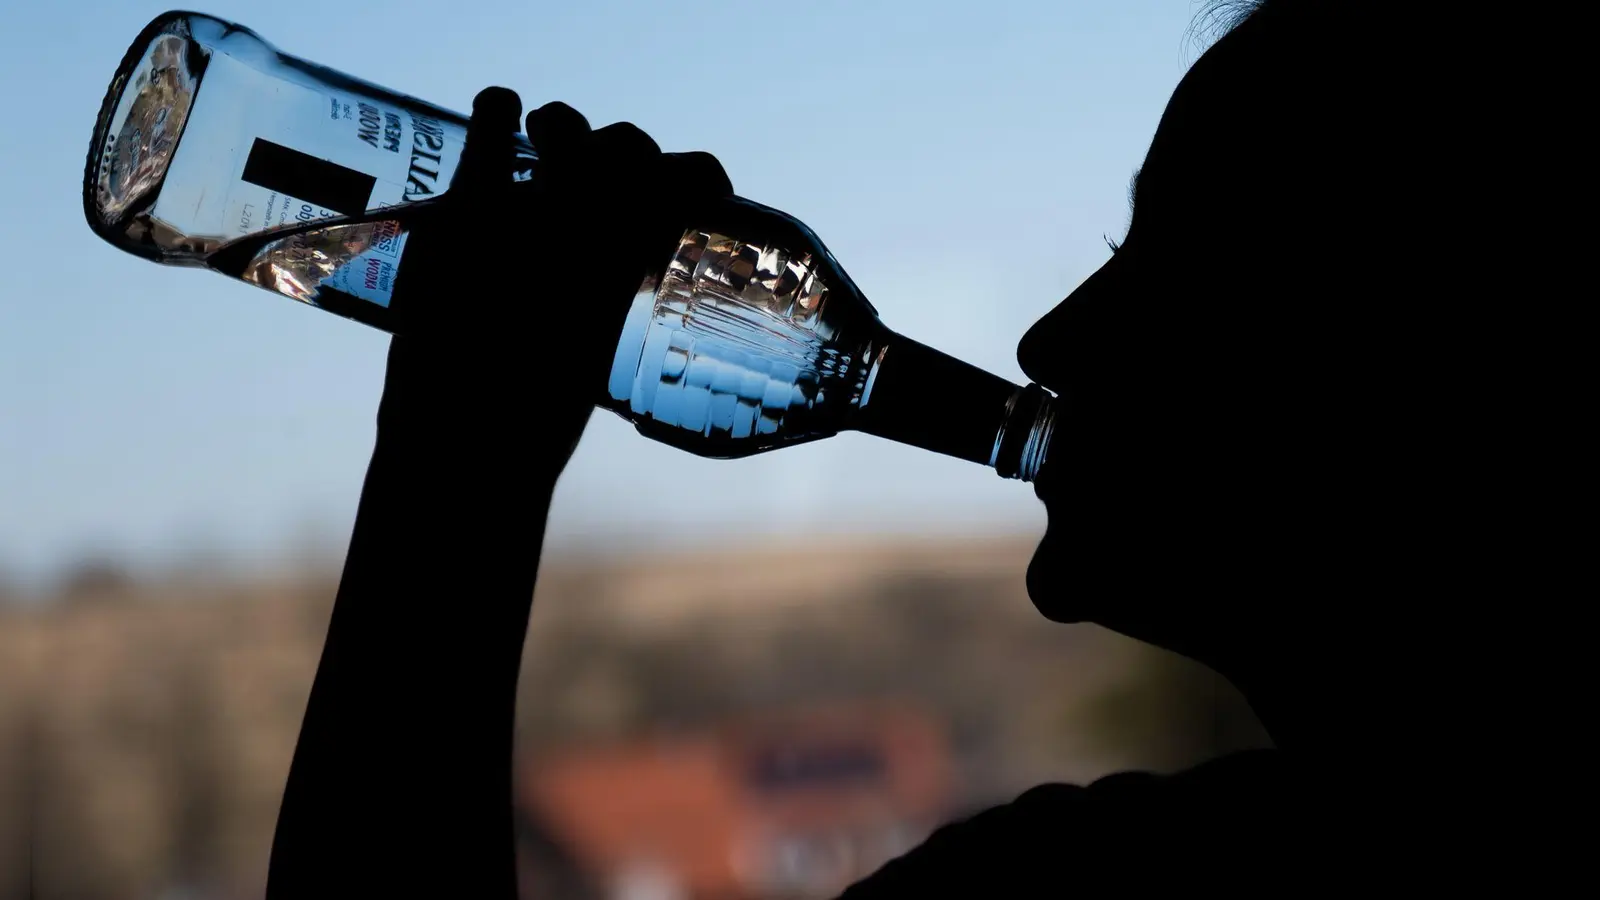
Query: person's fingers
column 625, row 149
column 699, row 172
column 496, row 108
column 554, row 128
column 486, row 159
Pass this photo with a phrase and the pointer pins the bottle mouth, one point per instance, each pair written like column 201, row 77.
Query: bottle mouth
column 1023, row 441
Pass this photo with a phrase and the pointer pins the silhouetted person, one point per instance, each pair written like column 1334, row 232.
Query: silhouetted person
column 1273, row 459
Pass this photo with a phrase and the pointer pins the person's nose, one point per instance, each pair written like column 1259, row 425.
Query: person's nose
column 1044, row 353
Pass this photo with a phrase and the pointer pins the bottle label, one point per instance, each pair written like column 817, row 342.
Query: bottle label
column 305, row 152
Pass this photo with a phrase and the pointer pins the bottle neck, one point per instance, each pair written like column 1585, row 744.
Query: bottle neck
column 918, row 396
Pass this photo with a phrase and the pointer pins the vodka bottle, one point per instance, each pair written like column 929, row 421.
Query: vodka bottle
column 213, row 149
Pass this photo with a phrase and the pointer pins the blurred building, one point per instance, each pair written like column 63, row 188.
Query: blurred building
column 790, row 806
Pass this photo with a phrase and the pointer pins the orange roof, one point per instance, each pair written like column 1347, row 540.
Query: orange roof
column 695, row 804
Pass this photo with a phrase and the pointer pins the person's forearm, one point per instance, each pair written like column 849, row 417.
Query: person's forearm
column 403, row 770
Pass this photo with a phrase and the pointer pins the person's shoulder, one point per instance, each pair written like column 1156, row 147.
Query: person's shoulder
column 1131, row 827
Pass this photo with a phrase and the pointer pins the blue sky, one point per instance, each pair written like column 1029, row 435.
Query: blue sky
column 961, row 160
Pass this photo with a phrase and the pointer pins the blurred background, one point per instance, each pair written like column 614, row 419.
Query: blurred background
column 756, row 679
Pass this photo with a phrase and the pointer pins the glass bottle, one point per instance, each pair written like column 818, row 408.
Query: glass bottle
column 213, row 149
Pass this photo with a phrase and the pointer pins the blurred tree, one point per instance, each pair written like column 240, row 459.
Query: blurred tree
column 19, row 750
column 93, row 580
column 196, row 778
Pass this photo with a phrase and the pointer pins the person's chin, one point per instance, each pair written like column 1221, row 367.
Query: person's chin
column 1047, row 575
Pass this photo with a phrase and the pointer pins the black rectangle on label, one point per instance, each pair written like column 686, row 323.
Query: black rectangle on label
column 336, row 188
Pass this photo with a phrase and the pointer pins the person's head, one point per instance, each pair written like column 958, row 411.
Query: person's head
column 1225, row 377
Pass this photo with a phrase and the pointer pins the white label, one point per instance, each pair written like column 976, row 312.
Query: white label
column 318, row 154
column 408, row 156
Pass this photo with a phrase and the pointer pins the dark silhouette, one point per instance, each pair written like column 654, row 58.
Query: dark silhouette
column 1274, row 454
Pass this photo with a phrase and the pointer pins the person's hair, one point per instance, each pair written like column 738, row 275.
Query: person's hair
column 1222, row 16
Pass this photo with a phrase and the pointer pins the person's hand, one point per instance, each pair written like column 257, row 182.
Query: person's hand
column 514, row 293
